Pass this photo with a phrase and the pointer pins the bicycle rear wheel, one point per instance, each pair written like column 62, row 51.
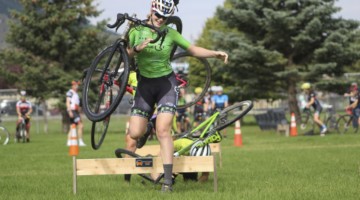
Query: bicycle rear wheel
column 331, row 123
column 345, row 124
column 4, row 136
column 108, row 71
column 123, row 153
column 191, row 72
column 232, row 113
column 175, row 23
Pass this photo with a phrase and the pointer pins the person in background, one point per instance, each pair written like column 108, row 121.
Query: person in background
column 312, row 101
column 352, row 94
column 220, row 101
column 23, row 109
column 200, row 108
column 182, row 116
column 73, row 110
column 354, row 107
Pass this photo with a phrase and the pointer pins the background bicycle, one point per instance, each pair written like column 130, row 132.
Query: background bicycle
column 4, row 133
column 21, row 133
column 307, row 125
column 347, row 123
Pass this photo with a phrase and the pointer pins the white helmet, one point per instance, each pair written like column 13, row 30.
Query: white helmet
column 199, row 149
column 165, row 8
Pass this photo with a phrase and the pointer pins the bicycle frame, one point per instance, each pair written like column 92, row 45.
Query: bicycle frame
column 207, row 124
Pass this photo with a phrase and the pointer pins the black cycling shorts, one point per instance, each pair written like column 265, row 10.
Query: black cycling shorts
column 76, row 117
column 162, row 91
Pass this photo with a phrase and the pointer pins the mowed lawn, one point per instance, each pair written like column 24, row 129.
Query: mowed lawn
column 267, row 166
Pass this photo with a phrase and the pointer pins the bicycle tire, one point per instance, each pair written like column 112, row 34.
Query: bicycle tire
column 175, row 23
column 119, row 154
column 226, row 117
column 307, row 125
column 4, row 136
column 197, row 74
column 109, row 66
column 98, row 133
column 344, row 124
column 331, row 123
column 22, row 130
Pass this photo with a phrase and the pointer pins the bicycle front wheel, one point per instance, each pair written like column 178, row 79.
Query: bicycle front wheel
column 109, row 71
column 23, row 132
column 232, row 113
column 191, row 72
column 345, row 124
column 4, row 136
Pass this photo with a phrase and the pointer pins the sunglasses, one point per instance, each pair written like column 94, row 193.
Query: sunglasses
column 160, row 16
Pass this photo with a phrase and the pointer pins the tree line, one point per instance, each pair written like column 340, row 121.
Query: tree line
column 273, row 46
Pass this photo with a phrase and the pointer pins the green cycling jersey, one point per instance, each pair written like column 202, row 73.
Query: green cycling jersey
column 154, row 61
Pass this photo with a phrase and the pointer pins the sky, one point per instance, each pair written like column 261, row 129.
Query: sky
column 194, row 13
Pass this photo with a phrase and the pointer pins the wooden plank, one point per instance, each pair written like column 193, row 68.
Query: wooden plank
column 127, row 165
column 215, row 147
column 155, row 149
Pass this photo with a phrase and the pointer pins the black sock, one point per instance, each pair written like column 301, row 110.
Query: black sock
column 168, row 174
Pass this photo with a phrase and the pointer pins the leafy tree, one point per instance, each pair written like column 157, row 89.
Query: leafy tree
column 283, row 43
column 52, row 43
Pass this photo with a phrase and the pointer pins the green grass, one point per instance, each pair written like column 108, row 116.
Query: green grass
column 268, row 166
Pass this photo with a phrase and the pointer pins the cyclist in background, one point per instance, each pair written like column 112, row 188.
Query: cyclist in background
column 219, row 102
column 314, row 102
column 23, row 109
column 352, row 94
column 157, row 82
column 200, row 108
column 73, row 110
column 182, row 117
column 354, row 107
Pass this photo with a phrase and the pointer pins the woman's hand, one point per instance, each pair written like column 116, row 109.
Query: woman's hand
column 222, row 55
column 144, row 44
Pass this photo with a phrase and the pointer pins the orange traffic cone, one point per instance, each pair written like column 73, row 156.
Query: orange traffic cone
column 293, row 129
column 237, row 135
column 74, row 146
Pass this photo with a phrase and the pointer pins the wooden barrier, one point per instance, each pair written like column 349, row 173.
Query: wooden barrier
column 111, row 166
column 155, row 149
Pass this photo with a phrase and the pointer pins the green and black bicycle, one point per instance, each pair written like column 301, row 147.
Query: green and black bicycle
column 205, row 133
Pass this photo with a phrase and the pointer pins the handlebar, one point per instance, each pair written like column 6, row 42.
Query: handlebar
column 120, row 19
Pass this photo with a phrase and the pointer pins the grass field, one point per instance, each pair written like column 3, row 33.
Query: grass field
column 268, row 166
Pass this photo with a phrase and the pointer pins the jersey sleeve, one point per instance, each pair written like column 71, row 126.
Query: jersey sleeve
column 179, row 39
column 69, row 94
column 29, row 103
column 132, row 34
